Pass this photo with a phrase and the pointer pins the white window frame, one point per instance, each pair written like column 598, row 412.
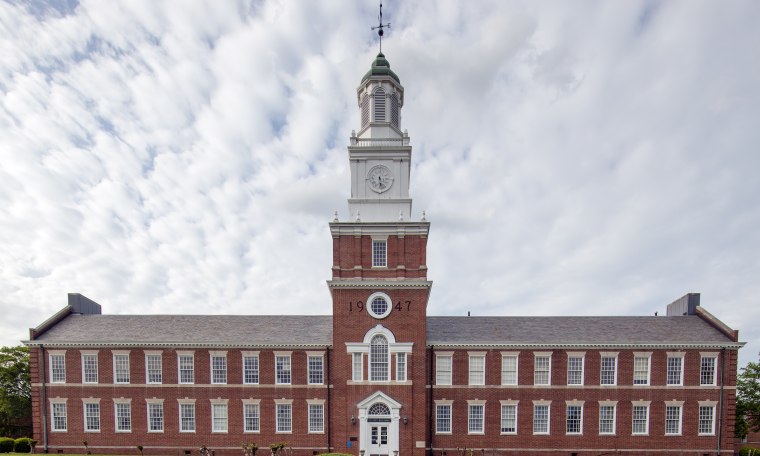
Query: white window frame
column 283, row 363
column 401, row 374
column 703, row 357
column 476, row 374
column 187, row 404
column 90, row 354
column 679, row 356
column 608, row 355
column 254, row 405
column 281, row 407
column 508, row 405
column 315, row 412
column 573, row 404
column 536, row 356
column 251, row 367
column 505, row 372
column 473, row 405
column 191, row 356
column 674, row 405
column 216, row 373
column 158, row 404
column 648, row 357
column 548, row 405
column 645, row 405
column 54, row 402
column 154, row 375
column 575, row 355
column 85, row 409
column 439, row 420
column 117, row 403
column 378, row 374
column 444, row 376
column 613, row 405
column 380, row 259
column 57, row 374
column 312, row 372
column 706, row 405
column 118, row 371
column 357, row 367
column 220, row 416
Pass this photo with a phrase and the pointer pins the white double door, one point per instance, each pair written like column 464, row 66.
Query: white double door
column 378, row 439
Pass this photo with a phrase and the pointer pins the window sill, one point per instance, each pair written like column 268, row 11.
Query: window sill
column 251, row 432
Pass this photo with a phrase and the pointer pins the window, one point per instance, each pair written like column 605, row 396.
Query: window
column 509, row 369
column 540, row 418
column 316, row 376
column 672, row 419
column 57, row 368
column 187, row 417
column 123, row 412
column 250, row 368
column 156, row 416
column 219, row 368
column 707, row 370
column 316, row 418
column 154, row 368
column 89, row 368
column 92, row 417
column 443, row 370
column 542, row 369
column 358, row 367
column 575, row 369
column 508, row 418
column 251, row 417
column 608, row 369
column 379, row 96
column 607, row 419
column 706, row 418
column 574, row 419
column 378, row 307
column 58, row 421
column 640, row 416
column 379, row 253
column 282, row 368
column 284, row 418
column 475, row 414
column 378, row 359
column 641, row 368
column 675, row 369
column 186, row 363
column 218, row 417
column 477, row 369
column 400, row 367
column 443, row 419
column 121, row 368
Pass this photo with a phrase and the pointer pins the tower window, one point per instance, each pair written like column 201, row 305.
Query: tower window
column 379, row 105
column 378, row 359
column 379, row 253
column 365, row 110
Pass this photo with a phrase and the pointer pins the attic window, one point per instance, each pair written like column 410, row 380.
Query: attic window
column 379, row 105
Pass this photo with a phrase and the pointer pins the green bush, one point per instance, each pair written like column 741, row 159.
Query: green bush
column 22, row 445
column 749, row 451
column 6, row 444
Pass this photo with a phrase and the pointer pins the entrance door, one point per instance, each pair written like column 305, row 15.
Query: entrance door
column 378, row 439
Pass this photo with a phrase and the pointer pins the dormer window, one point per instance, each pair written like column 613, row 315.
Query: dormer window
column 379, row 105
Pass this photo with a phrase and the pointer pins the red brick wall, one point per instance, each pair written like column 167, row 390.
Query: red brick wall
column 406, row 257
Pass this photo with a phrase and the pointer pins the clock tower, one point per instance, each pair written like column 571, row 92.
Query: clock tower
column 379, row 286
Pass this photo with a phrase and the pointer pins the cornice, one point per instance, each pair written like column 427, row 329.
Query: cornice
column 659, row 345
column 380, row 283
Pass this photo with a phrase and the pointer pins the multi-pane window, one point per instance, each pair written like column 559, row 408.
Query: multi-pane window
column 509, row 370
column 378, row 359
column 92, row 417
column 219, row 369
column 706, row 420
column 154, row 368
column 316, row 418
column 443, row 370
column 672, row 420
column 121, row 368
column 540, row 418
column 707, row 370
column 218, row 417
column 675, row 370
column 477, row 369
column 251, row 417
column 284, row 418
column 358, row 367
column 57, row 368
column 187, row 417
column 251, row 369
column 574, row 419
column 475, row 414
column 186, row 363
column 640, row 416
column 542, row 370
column 89, row 368
column 282, row 369
column 155, row 417
column 123, row 412
column 575, row 370
column 606, row 419
column 608, row 370
column 58, row 421
column 443, row 419
column 379, row 253
column 641, row 369
column 401, row 367
column 509, row 419
column 316, row 370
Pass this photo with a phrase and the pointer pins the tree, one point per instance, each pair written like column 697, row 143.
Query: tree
column 15, row 392
column 748, row 400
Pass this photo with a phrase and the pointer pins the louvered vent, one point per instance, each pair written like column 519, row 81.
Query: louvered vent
column 380, row 105
column 365, row 110
column 394, row 111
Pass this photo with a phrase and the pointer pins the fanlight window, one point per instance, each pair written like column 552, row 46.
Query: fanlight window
column 379, row 105
column 378, row 359
column 379, row 409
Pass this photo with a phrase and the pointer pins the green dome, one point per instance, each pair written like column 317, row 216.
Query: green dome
column 381, row 67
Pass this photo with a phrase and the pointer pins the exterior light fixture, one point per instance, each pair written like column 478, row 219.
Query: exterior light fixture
column 353, row 420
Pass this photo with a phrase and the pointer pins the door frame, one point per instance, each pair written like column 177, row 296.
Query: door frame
column 365, row 425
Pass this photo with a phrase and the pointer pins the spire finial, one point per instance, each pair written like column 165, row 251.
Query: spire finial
column 381, row 26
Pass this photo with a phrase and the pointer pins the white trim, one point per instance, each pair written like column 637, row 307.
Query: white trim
column 386, row 298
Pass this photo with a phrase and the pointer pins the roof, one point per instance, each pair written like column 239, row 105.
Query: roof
column 381, row 67
column 561, row 331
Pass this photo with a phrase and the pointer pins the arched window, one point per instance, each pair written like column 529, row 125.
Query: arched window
column 379, row 105
column 379, row 408
column 394, row 110
column 365, row 110
column 378, row 359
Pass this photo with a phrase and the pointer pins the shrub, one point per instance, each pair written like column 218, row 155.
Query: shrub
column 6, row 444
column 749, row 451
column 22, row 445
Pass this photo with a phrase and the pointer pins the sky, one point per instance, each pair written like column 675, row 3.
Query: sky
column 573, row 158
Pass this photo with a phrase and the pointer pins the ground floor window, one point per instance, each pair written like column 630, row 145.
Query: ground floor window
column 316, row 418
column 509, row 419
column 475, row 419
column 155, row 417
column 540, row 419
column 672, row 420
column 640, row 415
column 187, row 417
column 123, row 417
column 606, row 419
column 218, row 417
column 443, row 419
column 574, row 419
column 92, row 417
column 706, row 420
column 58, row 411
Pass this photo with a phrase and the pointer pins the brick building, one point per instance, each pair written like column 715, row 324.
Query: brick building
column 378, row 376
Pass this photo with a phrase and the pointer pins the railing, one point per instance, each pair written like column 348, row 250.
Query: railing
column 379, row 142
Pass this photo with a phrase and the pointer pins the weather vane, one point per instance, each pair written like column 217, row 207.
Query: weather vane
column 381, row 26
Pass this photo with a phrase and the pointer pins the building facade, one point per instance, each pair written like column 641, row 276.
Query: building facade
column 379, row 376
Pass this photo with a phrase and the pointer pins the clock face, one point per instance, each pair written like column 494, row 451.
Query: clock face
column 380, row 178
